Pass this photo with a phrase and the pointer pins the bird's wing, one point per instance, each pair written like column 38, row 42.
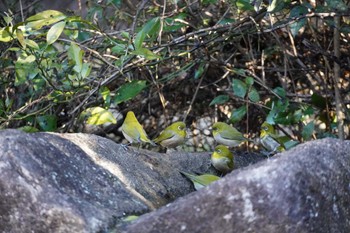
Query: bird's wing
column 232, row 134
column 131, row 132
column 164, row 135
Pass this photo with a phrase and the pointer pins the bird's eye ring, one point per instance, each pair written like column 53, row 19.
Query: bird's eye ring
column 218, row 150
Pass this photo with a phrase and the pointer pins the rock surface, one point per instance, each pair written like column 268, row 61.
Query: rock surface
column 85, row 183
column 306, row 189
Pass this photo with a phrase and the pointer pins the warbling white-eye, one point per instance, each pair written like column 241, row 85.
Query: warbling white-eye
column 268, row 138
column 173, row 135
column 227, row 135
column 222, row 159
column 133, row 130
column 200, row 181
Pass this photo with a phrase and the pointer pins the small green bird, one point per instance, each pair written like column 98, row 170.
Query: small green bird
column 222, row 159
column 133, row 130
column 200, row 181
column 173, row 135
column 268, row 138
column 227, row 135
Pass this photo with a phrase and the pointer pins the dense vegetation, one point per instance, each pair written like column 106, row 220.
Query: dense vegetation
column 242, row 62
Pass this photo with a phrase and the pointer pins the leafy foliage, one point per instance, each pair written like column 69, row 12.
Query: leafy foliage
column 204, row 57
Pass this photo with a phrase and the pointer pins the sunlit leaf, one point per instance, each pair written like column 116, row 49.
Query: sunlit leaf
column 277, row 5
column 5, row 35
column 44, row 18
column 99, row 116
column 129, row 90
column 32, row 44
column 130, row 218
column 54, row 32
column 220, row 99
column 106, row 95
column 20, row 37
column 76, row 54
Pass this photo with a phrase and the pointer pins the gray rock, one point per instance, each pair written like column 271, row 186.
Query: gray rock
column 306, row 189
column 85, row 183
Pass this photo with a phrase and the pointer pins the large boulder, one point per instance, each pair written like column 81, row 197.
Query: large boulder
column 306, row 189
column 86, row 183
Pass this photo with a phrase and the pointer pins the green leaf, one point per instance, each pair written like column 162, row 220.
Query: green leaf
column 240, row 72
column 337, row 5
column 239, row 88
column 198, row 73
column 47, row 122
column 44, row 18
column 32, row 44
column 238, row 114
column 76, row 54
column 28, row 129
column 280, row 92
column 253, row 95
column 85, row 70
column 5, row 35
column 220, row 99
column 277, row 108
column 277, row 5
column 130, row 218
column 151, row 28
column 244, row 5
column 20, row 37
column 206, row 2
column 23, row 67
column 294, row 13
column 119, row 49
column 249, row 81
column 289, row 144
column 173, row 24
column 106, row 95
column 54, row 32
column 99, row 116
column 308, row 130
column 146, row 53
column 129, row 90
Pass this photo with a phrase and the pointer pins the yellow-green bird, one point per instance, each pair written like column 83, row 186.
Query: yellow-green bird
column 222, row 159
column 200, row 181
column 173, row 135
column 133, row 130
column 227, row 135
column 268, row 138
